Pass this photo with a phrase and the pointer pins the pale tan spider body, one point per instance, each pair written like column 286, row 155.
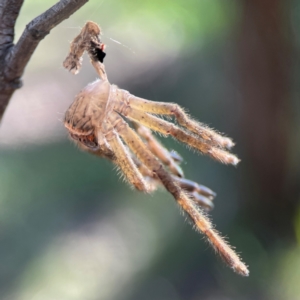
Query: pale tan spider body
column 85, row 116
column 98, row 122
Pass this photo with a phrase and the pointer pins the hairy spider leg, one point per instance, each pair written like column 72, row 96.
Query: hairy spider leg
column 168, row 128
column 192, row 186
column 200, row 221
column 158, row 150
column 164, row 108
column 103, row 151
column 176, row 157
column 202, row 195
column 196, row 193
column 150, row 177
column 202, row 201
column 125, row 163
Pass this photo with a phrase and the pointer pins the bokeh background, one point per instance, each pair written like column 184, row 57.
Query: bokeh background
column 71, row 229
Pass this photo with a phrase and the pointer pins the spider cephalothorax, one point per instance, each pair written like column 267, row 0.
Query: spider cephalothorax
column 96, row 122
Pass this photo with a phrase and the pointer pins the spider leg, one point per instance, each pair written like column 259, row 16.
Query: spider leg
column 200, row 221
column 164, row 108
column 183, row 136
column 102, row 151
column 149, row 176
column 192, row 186
column 125, row 163
column 158, row 150
column 132, row 175
column 201, row 194
column 175, row 156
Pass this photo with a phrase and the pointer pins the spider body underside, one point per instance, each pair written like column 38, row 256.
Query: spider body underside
column 97, row 122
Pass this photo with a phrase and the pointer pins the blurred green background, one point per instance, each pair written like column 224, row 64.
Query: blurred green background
column 71, row 229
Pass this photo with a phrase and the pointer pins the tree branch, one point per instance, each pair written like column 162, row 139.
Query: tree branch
column 9, row 11
column 16, row 58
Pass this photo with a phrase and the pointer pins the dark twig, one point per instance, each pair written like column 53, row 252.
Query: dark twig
column 15, row 58
column 9, row 11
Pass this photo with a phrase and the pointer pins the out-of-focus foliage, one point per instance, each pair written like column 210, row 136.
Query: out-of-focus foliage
column 70, row 228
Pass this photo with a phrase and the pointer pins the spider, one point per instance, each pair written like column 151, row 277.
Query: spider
column 98, row 121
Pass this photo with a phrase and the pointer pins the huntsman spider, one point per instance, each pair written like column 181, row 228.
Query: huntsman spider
column 98, row 119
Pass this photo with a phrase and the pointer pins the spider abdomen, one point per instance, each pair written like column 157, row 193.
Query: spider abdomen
column 88, row 109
